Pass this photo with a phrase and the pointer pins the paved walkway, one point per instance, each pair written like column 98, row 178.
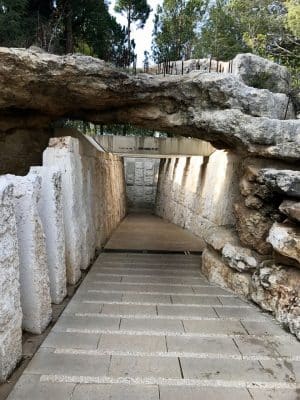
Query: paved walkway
column 150, row 327
column 149, row 232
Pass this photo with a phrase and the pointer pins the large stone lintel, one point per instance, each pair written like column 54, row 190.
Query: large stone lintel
column 219, row 108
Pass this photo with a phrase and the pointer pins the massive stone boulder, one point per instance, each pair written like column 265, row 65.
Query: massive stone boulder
column 285, row 239
column 38, row 88
column 285, row 182
column 291, row 209
column 260, row 73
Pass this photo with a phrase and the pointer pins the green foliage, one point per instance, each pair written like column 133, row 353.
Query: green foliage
column 174, row 34
column 12, row 22
column 293, row 16
column 220, row 36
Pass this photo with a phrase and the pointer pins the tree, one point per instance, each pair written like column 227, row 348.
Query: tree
column 293, row 17
column 220, row 37
column 136, row 11
column 175, row 27
column 13, row 29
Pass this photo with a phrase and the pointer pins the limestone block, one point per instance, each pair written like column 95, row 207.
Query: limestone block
column 276, row 288
column 291, row 209
column 285, row 238
column 34, row 279
column 261, row 73
column 281, row 181
column 64, row 154
column 221, row 274
column 218, row 236
column 253, row 228
column 10, row 307
column 51, row 212
column 239, row 258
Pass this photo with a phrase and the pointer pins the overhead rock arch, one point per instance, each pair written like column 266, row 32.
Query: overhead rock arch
column 38, row 88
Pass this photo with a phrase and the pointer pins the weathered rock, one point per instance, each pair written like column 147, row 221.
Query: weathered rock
column 239, row 258
column 281, row 181
column 64, row 154
column 34, row 279
column 260, row 73
column 218, row 108
column 285, row 239
column 51, row 213
column 216, row 271
column 218, row 236
column 291, row 209
column 276, row 288
column 253, row 228
column 10, row 308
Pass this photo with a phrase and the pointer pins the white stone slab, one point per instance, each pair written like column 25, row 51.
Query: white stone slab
column 51, row 212
column 10, row 307
column 64, row 153
column 34, row 279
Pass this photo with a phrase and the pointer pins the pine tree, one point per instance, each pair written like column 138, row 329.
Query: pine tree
column 136, row 11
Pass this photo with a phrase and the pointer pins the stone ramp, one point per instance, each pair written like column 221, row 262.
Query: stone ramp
column 150, row 327
column 140, row 231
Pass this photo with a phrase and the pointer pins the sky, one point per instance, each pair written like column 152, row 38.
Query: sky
column 142, row 37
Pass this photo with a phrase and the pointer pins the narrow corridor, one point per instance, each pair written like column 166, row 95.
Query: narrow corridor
column 149, row 326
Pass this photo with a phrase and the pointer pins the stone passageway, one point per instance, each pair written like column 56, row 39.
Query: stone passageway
column 150, row 326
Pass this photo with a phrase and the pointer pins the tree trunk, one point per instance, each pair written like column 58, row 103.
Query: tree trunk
column 129, row 37
column 69, row 28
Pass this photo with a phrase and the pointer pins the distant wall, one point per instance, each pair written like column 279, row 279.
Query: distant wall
column 20, row 149
column 198, row 192
column 141, row 182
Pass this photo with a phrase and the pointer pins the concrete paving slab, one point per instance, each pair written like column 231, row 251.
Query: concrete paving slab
column 46, row 362
column 143, row 325
column 205, row 393
column 116, row 392
column 75, row 322
column 71, row 340
column 144, row 367
column 138, row 288
column 147, row 298
column 237, row 371
column 220, row 346
column 29, row 387
column 215, row 327
column 207, row 300
column 121, row 310
column 264, row 328
column 244, row 314
column 184, row 311
column 275, row 394
column 132, row 343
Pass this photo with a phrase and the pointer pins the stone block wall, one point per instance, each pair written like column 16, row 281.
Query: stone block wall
column 247, row 210
column 52, row 220
column 141, row 182
column 198, row 192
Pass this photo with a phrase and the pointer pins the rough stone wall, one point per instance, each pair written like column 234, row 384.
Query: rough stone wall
column 248, row 213
column 22, row 148
column 198, row 192
column 141, row 182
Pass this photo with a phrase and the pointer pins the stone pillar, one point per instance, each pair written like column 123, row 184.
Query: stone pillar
column 10, row 308
column 63, row 153
column 50, row 207
column 34, row 279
